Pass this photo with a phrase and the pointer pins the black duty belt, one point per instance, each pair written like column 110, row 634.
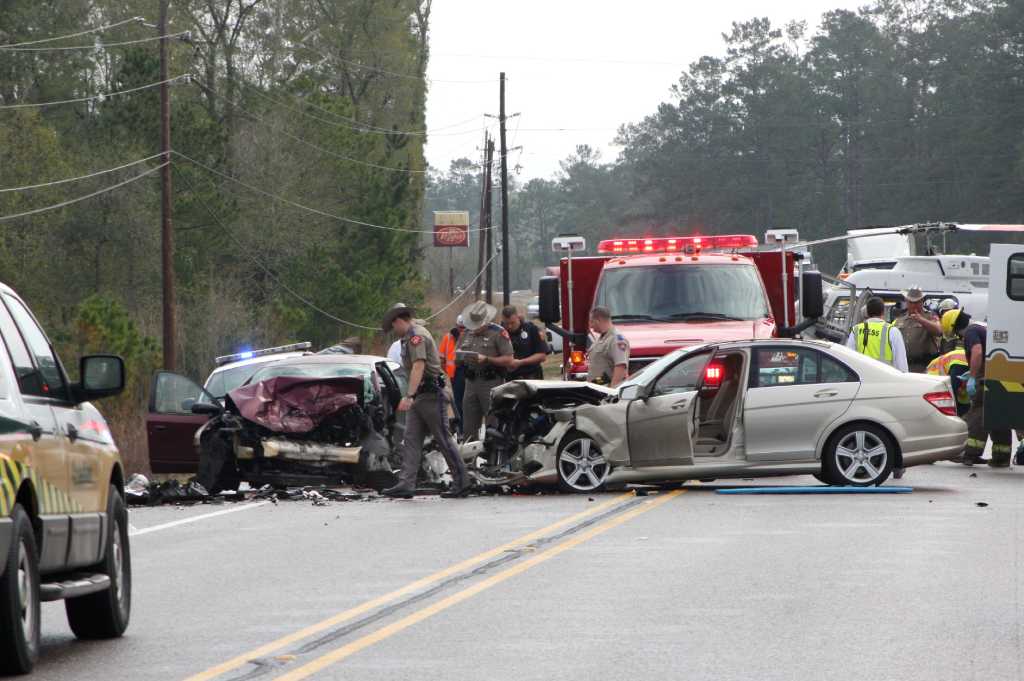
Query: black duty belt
column 430, row 385
column 481, row 375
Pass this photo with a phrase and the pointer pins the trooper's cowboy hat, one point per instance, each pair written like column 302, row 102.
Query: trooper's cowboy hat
column 396, row 310
column 914, row 294
column 478, row 314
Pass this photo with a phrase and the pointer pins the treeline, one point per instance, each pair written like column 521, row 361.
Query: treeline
column 901, row 112
column 319, row 102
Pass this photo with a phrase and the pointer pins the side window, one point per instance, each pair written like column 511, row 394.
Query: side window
column 174, row 394
column 30, row 381
column 784, row 366
column 832, row 371
column 684, row 376
column 1015, row 277
column 39, row 346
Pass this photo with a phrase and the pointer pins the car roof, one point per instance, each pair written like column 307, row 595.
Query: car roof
column 255, row 361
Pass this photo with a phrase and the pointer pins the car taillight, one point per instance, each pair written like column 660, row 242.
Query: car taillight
column 576, row 357
column 943, row 401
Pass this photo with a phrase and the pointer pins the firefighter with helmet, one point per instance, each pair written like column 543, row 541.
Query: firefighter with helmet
column 958, row 322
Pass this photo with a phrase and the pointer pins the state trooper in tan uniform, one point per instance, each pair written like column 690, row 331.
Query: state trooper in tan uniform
column 921, row 331
column 486, row 370
column 425, row 405
column 608, row 357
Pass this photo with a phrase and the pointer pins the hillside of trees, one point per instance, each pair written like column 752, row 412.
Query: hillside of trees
column 904, row 111
column 318, row 102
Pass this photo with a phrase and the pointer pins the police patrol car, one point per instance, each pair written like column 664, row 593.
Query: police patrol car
column 63, row 523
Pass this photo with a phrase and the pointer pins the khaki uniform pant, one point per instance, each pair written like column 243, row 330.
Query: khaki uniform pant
column 976, row 433
column 428, row 415
column 476, row 402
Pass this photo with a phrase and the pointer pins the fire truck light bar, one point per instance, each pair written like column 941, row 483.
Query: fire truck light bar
column 294, row 347
column 677, row 244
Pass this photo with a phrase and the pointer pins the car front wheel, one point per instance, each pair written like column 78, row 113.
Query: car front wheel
column 581, row 466
column 19, row 599
column 859, row 455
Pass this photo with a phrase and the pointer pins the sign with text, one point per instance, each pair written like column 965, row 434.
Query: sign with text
column 451, row 228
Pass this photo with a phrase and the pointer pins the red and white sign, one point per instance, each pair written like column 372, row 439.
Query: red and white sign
column 451, row 228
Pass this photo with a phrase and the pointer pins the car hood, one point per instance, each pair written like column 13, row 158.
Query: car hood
column 653, row 340
column 519, row 390
column 293, row 404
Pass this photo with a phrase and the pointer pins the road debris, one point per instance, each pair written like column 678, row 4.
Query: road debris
column 140, row 491
column 981, row 504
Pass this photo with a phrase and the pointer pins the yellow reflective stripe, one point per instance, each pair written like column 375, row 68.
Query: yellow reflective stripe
column 1012, row 386
column 972, row 442
column 1001, row 449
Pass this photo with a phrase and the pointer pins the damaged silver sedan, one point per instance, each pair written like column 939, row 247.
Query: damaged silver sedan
column 734, row 410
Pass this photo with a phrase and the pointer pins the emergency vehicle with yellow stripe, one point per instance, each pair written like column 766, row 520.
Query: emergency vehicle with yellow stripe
column 1004, row 356
column 63, row 522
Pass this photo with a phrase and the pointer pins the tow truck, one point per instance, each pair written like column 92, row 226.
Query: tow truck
column 677, row 291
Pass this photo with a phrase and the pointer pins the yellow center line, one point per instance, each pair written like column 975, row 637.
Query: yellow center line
column 412, row 587
column 359, row 644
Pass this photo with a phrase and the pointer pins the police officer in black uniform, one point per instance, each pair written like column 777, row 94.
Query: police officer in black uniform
column 528, row 346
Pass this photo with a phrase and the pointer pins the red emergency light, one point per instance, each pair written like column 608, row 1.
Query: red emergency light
column 677, row 244
column 713, row 375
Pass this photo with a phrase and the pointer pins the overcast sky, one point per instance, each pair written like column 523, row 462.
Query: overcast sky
column 587, row 66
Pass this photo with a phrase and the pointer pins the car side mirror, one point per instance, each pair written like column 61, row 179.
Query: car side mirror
column 812, row 297
column 550, row 302
column 631, row 392
column 206, row 409
column 101, row 376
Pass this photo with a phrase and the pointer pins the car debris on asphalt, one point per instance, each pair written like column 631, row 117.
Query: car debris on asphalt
column 140, row 491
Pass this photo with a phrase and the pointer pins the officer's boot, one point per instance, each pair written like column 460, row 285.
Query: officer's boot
column 399, row 491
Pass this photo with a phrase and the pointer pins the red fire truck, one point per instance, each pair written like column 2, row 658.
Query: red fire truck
column 670, row 292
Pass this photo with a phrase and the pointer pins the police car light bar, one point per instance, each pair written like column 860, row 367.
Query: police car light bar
column 239, row 356
column 677, row 244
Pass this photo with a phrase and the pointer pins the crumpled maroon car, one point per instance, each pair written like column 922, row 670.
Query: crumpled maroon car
column 295, row 404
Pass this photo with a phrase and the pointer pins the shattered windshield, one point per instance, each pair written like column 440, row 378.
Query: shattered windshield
column 223, row 382
column 364, row 371
column 676, row 293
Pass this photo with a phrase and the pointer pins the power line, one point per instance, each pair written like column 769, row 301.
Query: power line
column 304, row 207
column 75, row 35
column 93, row 97
column 80, row 177
column 353, row 124
column 96, row 46
column 396, row 74
column 465, row 289
column 306, row 142
column 63, row 204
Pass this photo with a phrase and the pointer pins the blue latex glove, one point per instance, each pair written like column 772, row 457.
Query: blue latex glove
column 972, row 386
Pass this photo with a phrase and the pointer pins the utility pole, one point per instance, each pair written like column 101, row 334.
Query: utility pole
column 166, row 232
column 481, row 259
column 506, row 284
column 489, row 211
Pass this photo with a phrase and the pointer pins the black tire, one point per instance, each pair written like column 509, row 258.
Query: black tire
column 577, row 447
column 105, row 614
column 822, row 478
column 19, row 599
column 858, row 455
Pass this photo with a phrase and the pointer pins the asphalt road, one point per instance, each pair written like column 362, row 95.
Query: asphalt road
column 680, row 585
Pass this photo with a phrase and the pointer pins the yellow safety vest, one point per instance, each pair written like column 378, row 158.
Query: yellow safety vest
column 943, row 364
column 873, row 340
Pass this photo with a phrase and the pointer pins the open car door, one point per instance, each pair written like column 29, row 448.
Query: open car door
column 1004, row 363
column 171, row 425
column 661, row 424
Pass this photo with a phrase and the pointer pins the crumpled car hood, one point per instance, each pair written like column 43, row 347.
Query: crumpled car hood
column 295, row 404
column 518, row 390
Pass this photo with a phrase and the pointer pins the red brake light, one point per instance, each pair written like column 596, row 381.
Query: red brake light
column 677, row 244
column 943, row 401
column 713, row 375
column 576, row 357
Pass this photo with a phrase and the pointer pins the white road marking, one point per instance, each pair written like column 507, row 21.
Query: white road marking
column 196, row 518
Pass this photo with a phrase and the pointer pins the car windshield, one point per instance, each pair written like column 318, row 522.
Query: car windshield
column 675, row 293
column 221, row 383
column 364, row 371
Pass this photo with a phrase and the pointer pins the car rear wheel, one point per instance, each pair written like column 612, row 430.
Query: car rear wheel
column 19, row 599
column 859, row 455
column 105, row 614
column 581, row 466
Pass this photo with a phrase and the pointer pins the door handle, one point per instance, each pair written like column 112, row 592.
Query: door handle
column 826, row 393
column 72, row 432
column 159, row 427
column 681, row 404
column 35, row 430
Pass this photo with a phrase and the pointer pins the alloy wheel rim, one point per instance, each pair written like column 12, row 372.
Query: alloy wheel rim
column 26, row 596
column 583, row 466
column 861, row 456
